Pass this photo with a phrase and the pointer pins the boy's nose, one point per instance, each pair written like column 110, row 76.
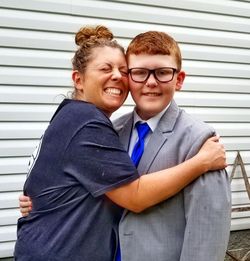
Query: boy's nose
column 151, row 81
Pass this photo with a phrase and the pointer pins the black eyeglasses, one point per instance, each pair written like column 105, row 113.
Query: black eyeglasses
column 163, row 74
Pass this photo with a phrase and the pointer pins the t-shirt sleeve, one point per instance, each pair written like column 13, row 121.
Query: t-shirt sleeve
column 97, row 159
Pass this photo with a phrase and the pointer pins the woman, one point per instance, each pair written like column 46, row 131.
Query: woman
column 81, row 169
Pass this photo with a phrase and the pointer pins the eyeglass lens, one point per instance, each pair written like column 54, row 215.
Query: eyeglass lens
column 164, row 74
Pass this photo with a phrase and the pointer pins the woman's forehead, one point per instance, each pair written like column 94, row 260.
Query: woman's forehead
column 107, row 55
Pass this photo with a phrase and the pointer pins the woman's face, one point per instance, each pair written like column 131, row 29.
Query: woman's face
column 105, row 81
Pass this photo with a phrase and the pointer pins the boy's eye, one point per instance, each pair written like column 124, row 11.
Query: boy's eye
column 164, row 72
column 140, row 72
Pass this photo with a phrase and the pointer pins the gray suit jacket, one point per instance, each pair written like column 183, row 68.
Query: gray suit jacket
column 193, row 225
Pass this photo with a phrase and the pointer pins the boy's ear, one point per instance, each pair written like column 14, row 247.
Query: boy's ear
column 180, row 79
column 76, row 77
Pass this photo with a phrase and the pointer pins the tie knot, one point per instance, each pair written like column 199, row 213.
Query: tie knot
column 142, row 129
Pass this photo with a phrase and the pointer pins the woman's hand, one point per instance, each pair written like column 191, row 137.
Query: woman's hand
column 25, row 205
column 213, row 154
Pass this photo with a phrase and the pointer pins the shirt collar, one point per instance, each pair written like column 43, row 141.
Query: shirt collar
column 152, row 122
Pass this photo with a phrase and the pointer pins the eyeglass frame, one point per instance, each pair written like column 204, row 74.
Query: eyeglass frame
column 152, row 71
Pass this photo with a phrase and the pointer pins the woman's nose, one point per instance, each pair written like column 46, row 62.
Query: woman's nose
column 116, row 74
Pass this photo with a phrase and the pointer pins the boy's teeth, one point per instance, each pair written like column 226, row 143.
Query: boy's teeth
column 152, row 94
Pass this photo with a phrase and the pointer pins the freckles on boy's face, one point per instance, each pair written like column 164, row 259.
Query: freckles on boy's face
column 151, row 97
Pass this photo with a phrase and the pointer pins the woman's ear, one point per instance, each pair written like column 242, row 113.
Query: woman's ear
column 180, row 79
column 76, row 77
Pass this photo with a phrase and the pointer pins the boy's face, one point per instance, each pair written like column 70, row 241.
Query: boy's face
column 152, row 96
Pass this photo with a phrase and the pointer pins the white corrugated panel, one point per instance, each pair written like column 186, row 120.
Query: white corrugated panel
column 37, row 43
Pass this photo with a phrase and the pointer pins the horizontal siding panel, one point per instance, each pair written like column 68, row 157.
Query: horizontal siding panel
column 237, row 185
column 7, row 233
column 40, row 21
column 240, row 224
column 236, row 143
column 192, row 35
column 215, row 53
column 151, row 14
column 35, row 58
column 9, row 216
column 25, row 112
column 216, row 84
column 12, row 182
column 232, row 129
column 33, row 94
column 65, row 24
column 220, row 114
column 240, row 198
column 35, row 76
column 216, row 69
column 39, row 5
column 14, row 165
column 244, row 214
column 62, row 41
column 37, row 40
column 29, row 130
column 212, row 99
column 17, row 148
column 221, row 7
column 9, row 199
column 6, row 249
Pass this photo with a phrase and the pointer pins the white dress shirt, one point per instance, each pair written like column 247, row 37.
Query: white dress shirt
column 152, row 123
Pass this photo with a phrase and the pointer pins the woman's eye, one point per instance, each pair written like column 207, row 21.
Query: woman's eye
column 106, row 69
column 124, row 73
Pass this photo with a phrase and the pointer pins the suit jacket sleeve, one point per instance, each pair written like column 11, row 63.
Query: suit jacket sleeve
column 207, row 204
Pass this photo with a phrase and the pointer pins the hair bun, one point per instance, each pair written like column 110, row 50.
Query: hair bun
column 92, row 34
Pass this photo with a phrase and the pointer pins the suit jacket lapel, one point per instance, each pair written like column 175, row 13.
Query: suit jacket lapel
column 159, row 137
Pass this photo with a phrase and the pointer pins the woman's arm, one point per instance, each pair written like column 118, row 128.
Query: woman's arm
column 155, row 187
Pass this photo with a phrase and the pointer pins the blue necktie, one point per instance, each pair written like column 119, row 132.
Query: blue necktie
column 142, row 130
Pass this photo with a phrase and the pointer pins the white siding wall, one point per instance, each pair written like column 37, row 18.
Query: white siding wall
column 36, row 45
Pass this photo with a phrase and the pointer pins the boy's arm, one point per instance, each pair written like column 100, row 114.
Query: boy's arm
column 208, row 214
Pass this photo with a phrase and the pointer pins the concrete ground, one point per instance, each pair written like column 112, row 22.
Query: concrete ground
column 239, row 246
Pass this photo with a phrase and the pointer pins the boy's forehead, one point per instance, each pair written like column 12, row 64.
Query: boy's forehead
column 145, row 60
